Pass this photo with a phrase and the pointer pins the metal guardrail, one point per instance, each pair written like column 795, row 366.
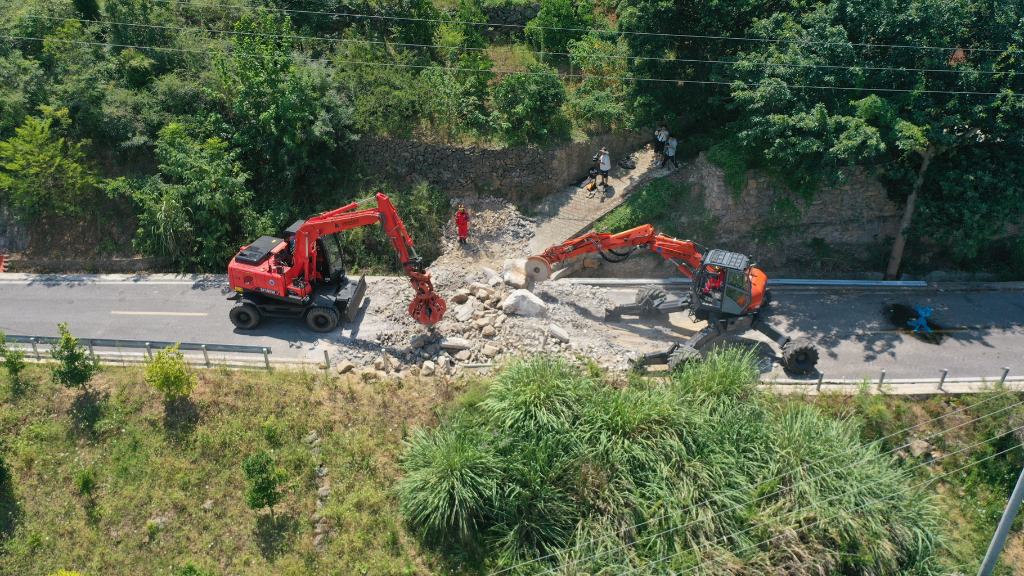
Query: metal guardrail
column 773, row 282
column 148, row 346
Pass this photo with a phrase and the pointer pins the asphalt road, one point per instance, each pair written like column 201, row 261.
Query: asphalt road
column 982, row 331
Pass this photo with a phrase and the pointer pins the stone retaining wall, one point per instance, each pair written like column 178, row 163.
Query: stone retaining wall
column 514, row 173
column 857, row 212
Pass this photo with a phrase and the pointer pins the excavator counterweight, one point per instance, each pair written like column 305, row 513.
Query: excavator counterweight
column 302, row 274
column 726, row 291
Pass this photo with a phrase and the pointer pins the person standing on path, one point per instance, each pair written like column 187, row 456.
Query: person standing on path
column 670, row 151
column 660, row 137
column 462, row 221
column 605, row 163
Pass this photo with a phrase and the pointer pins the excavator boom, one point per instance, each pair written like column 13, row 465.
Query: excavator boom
column 538, row 267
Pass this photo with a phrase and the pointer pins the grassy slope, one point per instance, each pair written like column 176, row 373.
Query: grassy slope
column 155, row 466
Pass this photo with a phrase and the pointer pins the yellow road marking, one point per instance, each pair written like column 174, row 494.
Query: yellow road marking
column 160, row 313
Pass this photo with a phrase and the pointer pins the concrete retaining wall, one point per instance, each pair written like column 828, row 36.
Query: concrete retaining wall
column 513, row 173
column 857, row 212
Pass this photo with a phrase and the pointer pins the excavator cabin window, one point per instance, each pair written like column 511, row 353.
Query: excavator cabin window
column 329, row 261
column 737, row 292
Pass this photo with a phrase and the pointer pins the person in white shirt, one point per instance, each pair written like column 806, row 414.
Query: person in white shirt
column 605, row 163
column 660, row 137
column 670, row 151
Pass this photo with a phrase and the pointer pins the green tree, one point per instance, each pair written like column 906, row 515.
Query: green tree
column 198, row 209
column 73, row 368
column 529, row 106
column 559, row 14
column 14, row 359
column 168, row 372
column 264, row 477
column 45, row 175
column 289, row 118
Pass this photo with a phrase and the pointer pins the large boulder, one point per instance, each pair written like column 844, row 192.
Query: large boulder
column 524, row 303
column 514, row 273
column 558, row 333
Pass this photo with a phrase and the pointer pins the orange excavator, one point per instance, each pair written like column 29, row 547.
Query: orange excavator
column 727, row 292
column 302, row 275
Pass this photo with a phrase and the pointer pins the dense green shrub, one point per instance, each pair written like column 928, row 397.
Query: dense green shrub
column 14, row 358
column 73, row 369
column 577, row 14
column 530, row 105
column 45, row 175
column 263, row 477
column 556, row 463
column 168, row 372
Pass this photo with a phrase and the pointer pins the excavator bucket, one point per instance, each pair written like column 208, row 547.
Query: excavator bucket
column 537, row 269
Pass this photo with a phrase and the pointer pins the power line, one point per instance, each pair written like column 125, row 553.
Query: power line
column 501, row 51
column 809, row 506
column 585, row 30
column 678, row 82
column 740, row 505
column 777, row 477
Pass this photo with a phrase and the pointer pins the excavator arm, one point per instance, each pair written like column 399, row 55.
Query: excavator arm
column 427, row 307
column 683, row 253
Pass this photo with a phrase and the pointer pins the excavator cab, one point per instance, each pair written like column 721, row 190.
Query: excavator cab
column 330, row 263
column 722, row 284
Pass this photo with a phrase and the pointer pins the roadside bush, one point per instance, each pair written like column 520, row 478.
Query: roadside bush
column 648, row 205
column 263, row 476
column 14, row 359
column 169, row 374
column 73, row 368
column 557, row 464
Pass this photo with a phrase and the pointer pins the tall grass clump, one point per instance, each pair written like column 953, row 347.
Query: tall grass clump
column 700, row 470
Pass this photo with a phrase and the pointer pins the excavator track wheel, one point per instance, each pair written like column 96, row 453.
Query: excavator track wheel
column 244, row 316
column 646, row 297
column 800, row 356
column 681, row 356
column 322, row 319
column 766, row 299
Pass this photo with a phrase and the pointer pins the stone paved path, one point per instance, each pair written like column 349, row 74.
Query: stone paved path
column 563, row 215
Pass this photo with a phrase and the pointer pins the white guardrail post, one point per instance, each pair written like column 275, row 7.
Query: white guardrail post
column 942, row 380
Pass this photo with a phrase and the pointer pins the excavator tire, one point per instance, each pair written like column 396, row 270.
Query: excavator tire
column 800, row 356
column 322, row 319
column 681, row 356
column 244, row 316
column 646, row 296
column 766, row 299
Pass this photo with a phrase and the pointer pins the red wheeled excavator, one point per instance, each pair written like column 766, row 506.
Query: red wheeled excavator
column 727, row 291
column 303, row 275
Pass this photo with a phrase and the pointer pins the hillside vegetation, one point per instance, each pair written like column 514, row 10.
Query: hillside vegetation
column 545, row 461
column 183, row 129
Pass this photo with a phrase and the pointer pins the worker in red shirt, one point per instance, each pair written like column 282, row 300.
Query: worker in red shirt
column 462, row 221
column 715, row 279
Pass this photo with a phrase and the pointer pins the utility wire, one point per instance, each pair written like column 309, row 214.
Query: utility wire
column 500, row 51
column 777, row 477
column 815, row 504
column 742, row 504
column 585, row 30
column 678, row 82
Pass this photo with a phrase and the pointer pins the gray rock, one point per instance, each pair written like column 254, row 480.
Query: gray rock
column 488, row 331
column 920, row 447
column 312, row 437
column 418, row 341
column 344, row 367
column 463, row 355
column 324, row 492
column 456, row 344
column 558, row 333
column 491, row 350
column 208, row 505
column 427, row 369
column 514, row 273
column 464, row 312
column 524, row 303
column 460, row 296
column 321, row 471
